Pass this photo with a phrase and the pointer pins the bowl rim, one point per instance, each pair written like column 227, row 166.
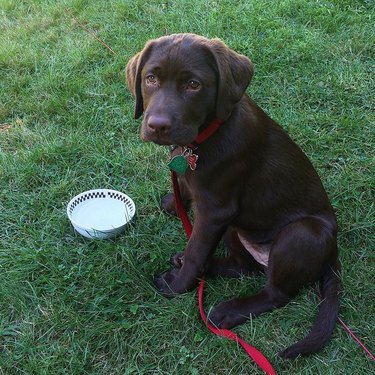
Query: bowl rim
column 75, row 223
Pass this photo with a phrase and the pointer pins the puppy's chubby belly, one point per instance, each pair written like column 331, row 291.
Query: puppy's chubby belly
column 260, row 252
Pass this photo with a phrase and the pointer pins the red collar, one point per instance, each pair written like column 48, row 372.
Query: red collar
column 206, row 133
column 179, row 163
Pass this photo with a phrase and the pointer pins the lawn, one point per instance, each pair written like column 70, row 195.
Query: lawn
column 74, row 306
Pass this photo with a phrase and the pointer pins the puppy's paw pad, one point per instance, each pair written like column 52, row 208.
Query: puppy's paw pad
column 178, row 259
column 164, row 282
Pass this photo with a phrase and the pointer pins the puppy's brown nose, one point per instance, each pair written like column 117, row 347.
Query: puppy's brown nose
column 159, row 124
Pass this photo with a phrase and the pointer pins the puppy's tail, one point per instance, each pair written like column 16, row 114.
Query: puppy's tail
column 325, row 321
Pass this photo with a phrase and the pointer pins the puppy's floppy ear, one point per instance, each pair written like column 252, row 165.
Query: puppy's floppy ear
column 134, row 77
column 235, row 72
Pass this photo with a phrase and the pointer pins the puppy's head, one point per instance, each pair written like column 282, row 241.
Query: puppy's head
column 181, row 82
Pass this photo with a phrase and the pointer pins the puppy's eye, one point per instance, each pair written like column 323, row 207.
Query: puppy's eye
column 193, row 85
column 151, row 80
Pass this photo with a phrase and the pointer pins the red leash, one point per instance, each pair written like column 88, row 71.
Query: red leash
column 355, row 338
column 254, row 353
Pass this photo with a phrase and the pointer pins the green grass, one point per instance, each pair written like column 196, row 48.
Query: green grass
column 74, row 306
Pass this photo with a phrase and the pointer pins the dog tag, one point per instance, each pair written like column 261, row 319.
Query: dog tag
column 179, row 163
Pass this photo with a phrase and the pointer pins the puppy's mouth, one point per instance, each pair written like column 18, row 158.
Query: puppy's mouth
column 181, row 137
column 159, row 141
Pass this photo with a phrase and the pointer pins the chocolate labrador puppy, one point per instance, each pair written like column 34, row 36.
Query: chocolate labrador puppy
column 253, row 187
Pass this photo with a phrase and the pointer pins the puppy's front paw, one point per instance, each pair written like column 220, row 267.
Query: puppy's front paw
column 226, row 315
column 166, row 283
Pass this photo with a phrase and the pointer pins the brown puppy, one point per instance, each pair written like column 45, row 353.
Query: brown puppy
column 253, row 186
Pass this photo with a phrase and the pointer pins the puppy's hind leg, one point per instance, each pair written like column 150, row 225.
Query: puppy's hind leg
column 299, row 255
column 168, row 203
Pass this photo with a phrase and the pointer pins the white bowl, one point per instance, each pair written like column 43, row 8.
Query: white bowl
column 100, row 213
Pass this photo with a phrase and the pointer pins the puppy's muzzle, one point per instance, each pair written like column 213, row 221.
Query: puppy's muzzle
column 158, row 125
